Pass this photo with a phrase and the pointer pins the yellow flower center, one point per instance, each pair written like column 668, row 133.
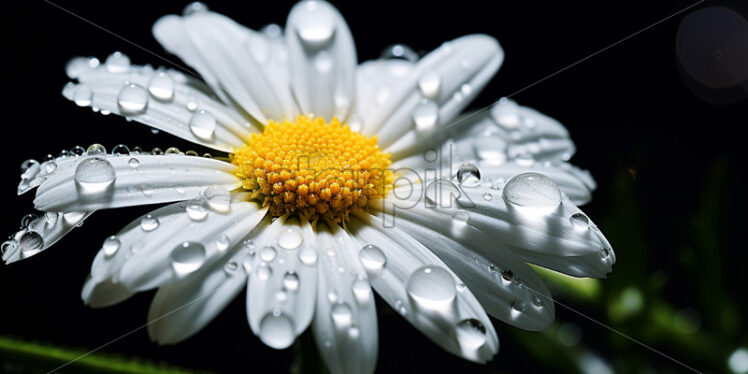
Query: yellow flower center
column 312, row 167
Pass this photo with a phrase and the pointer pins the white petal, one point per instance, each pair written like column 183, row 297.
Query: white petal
column 250, row 67
column 281, row 291
column 104, row 293
column 150, row 179
column 136, row 94
column 545, row 236
column 345, row 323
column 375, row 81
column 442, row 318
column 322, row 59
column 576, row 183
column 150, row 251
column 180, row 310
column 41, row 233
column 440, row 86
column 505, row 286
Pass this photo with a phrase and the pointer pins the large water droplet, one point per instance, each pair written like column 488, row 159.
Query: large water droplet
column 425, row 116
column 317, row 28
column 132, row 99
column 31, row 243
column 468, row 175
column 187, row 257
column 196, row 209
column 442, row 193
column 203, row 125
column 471, row 333
column 111, row 246
column 431, row 287
column 308, row 256
column 218, row 199
column 290, row 238
column 506, row 113
column 149, row 223
column 341, row 315
column 277, row 330
column 373, row 259
column 268, row 254
column 429, row 85
column 291, row 281
column 82, row 95
column 117, row 62
column 161, row 86
column 361, row 290
column 579, row 221
column 94, row 176
column 532, row 190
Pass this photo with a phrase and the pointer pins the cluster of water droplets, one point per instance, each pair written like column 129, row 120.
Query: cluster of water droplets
column 37, row 232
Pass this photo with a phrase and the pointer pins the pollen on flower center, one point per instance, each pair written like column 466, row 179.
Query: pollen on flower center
column 313, row 167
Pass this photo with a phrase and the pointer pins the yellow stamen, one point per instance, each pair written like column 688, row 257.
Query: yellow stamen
column 313, row 167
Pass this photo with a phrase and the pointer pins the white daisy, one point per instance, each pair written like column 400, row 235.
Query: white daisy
column 340, row 177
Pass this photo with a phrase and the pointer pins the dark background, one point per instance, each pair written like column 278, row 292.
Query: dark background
column 670, row 168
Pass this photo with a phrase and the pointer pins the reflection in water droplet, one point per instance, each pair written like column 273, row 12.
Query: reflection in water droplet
column 341, row 315
column 96, row 150
column 132, row 99
column 223, row 243
column 308, row 256
column 161, row 86
column 203, row 125
column 277, row 330
column 532, row 190
column 149, row 223
column 111, row 246
column 442, row 193
column 290, row 238
column 94, row 176
column 31, row 243
column 429, row 85
column 196, row 209
column 120, row 150
column 268, row 254
column 117, row 62
column 133, row 163
column 361, row 291
column 471, row 333
column 187, row 257
column 431, row 287
column 468, row 175
column 291, row 281
column 373, row 259
column 579, row 221
column 399, row 51
column 425, row 116
column 218, row 199
column 518, row 306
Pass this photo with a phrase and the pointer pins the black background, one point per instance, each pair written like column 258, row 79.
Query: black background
column 628, row 110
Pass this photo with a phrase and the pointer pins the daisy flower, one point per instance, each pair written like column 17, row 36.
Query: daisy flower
column 335, row 179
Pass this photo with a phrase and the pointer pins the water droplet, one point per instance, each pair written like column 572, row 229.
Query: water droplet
column 217, row 198
column 490, row 148
column 471, row 333
column 161, row 86
column 429, row 85
column 361, row 290
column 117, row 62
column 536, row 300
column 247, row 264
column 487, row 196
column 51, row 217
column 149, row 223
column 196, row 209
column 461, row 216
column 317, row 28
column 507, row 275
column 223, row 243
column 121, row 150
column 203, row 125
column 96, row 150
column 442, row 193
column 82, row 95
column 187, row 257
column 8, row 246
column 172, row 151
column 272, row 31
column 111, row 246
column 132, row 99
column 431, row 287
column 231, row 266
column 94, row 176
column 50, row 167
column 77, row 151
column 579, row 221
column 27, row 219
column 604, row 252
column 400, row 52
column 341, row 314
column 133, row 163
column 518, row 306
column 468, row 175
column 277, row 330
column 506, row 113
column 308, row 256
column 31, row 243
column 264, row 272
column 191, row 105
column 28, row 164
column 268, row 254
column 466, row 89
column 72, row 218
column 532, row 190
column 157, row 151
column 290, row 238
column 291, row 281
column 425, row 116
column 373, row 259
